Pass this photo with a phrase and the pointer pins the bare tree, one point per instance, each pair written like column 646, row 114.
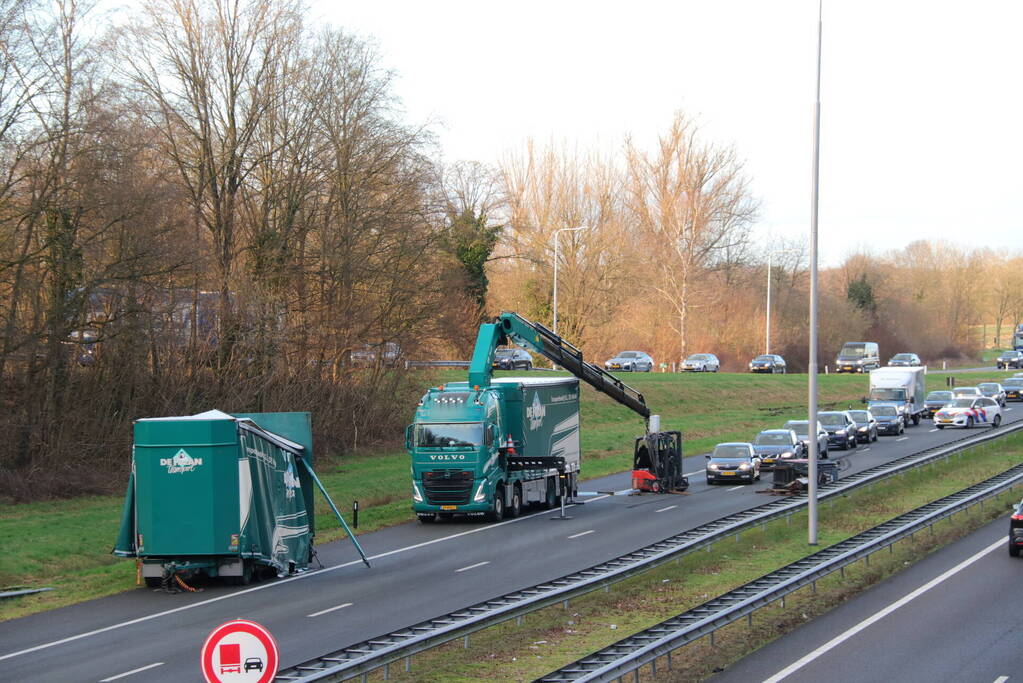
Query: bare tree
column 693, row 200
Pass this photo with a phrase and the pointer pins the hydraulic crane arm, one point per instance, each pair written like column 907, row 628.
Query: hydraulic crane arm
column 511, row 328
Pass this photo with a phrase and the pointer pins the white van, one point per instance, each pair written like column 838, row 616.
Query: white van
column 858, row 357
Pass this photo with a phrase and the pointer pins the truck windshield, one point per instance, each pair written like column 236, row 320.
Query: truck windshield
column 451, row 434
column 887, row 394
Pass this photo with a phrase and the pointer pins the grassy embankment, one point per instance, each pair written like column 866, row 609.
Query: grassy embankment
column 557, row 636
column 65, row 544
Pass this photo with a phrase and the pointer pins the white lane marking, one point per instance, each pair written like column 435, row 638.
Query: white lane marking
column 133, row 671
column 581, row 533
column 736, row 488
column 865, row 449
column 1001, row 679
column 902, row 438
column 266, row 586
column 934, row 430
column 329, row 609
column 881, row 614
column 472, row 566
column 693, row 474
column 670, row 507
column 1006, row 409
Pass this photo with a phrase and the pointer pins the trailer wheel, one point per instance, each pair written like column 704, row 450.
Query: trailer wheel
column 246, row 578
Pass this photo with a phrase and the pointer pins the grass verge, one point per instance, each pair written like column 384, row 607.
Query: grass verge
column 556, row 636
column 66, row 544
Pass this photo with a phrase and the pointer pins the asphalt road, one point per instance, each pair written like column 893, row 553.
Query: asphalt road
column 419, row 572
column 955, row 616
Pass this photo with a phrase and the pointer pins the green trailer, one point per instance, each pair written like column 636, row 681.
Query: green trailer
column 221, row 495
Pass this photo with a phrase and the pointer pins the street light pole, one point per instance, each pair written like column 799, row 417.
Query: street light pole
column 811, row 428
column 767, row 331
column 556, row 233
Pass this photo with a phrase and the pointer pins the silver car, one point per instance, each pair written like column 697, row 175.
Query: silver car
column 630, row 361
column 993, row 390
column 801, row 430
column 701, row 362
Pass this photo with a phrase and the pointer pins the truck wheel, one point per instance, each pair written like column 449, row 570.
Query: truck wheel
column 246, row 578
column 551, row 499
column 516, row 505
column 1013, row 549
column 497, row 513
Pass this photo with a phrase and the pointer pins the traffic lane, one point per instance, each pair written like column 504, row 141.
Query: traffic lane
column 627, row 524
column 913, row 627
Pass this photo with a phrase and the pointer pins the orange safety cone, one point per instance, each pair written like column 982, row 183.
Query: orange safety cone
column 509, row 446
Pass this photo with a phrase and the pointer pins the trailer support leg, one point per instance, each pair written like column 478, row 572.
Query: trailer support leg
column 333, row 507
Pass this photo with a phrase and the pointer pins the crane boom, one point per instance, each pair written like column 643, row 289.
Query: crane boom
column 512, row 328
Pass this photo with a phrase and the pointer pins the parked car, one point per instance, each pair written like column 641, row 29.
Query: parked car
column 905, row 360
column 1016, row 530
column 512, row 359
column 935, row 401
column 889, row 420
column 858, row 357
column 1013, row 388
column 866, row 425
column 968, row 411
column 841, row 428
column 1010, row 359
column 701, row 362
column 993, row 390
column 731, row 462
column 768, row 362
column 630, row 361
column 801, row 429
column 958, row 392
column 772, row 445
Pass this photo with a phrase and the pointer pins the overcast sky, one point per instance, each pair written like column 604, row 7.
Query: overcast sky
column 921, row 101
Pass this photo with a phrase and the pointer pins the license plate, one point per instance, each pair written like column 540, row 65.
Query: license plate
column 448, row 507
column 768, row 461
column 847, row 367
column 728, row 474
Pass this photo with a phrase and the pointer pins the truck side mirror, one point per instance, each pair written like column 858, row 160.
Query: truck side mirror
column 408, row 438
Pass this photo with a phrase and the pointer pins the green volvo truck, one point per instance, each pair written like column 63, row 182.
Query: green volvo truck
column 488, row 447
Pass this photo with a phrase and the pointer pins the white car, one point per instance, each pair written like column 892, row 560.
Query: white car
column 701, row 362
column 968, row 411
column 968, row 392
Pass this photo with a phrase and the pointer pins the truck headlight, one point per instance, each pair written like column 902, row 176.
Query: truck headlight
column 480, row 494
column 416, row 495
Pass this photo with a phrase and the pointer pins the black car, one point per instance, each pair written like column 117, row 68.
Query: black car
column 1016, row 530
column 841, row 428
column 906, row 360
column 773, row 445
column 731, row 462
column 935, row 401
column 512, row 359
column 768, row 362
column 866, row 425
column 1010, row 359
column 889, row 421
column 1013, row 389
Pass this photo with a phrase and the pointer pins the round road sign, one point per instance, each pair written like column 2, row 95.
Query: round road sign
column 239, row 651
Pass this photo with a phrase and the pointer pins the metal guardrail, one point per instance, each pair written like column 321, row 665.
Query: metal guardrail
column 631, row 653
column 368, row 655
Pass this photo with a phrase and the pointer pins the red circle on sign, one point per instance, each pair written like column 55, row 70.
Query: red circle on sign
column 220, row 633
